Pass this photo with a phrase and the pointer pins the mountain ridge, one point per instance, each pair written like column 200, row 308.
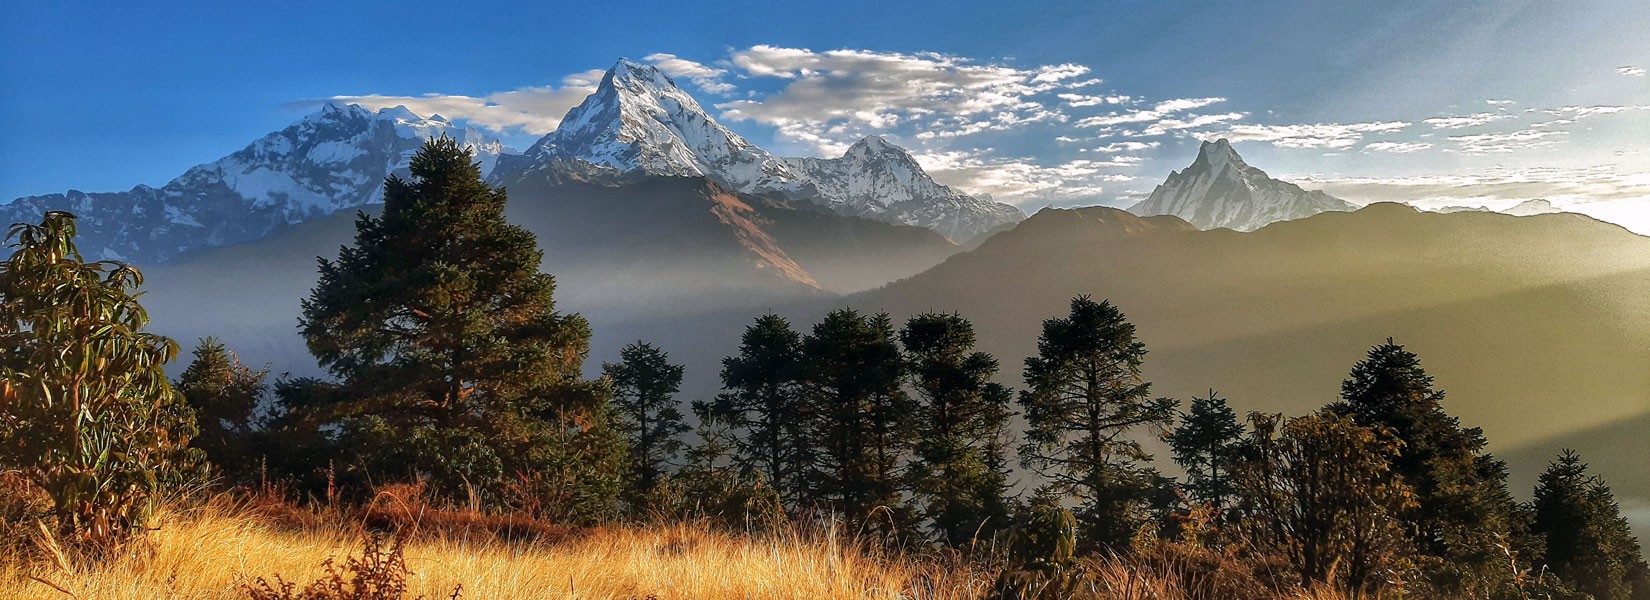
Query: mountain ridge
column 332, row 160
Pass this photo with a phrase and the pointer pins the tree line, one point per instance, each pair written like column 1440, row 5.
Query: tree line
column 449, row 365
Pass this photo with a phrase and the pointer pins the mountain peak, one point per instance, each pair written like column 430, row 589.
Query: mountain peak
column 1217, row 155
column 1220, row 190
column 632, row 74
column 876, row 146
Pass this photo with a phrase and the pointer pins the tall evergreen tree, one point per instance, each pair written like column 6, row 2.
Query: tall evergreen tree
column 1205, row 445
column 644, row 389
column 1084, row 397
column 86, row 412
column 224, row 395
column 761, row 403
column 852, row 372
column 959, row 424
column 455, row 365
column 1587, row 543
column 1462, row 504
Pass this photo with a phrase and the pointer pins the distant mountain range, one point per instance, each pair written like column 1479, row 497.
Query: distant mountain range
column 333, row 160
column 638, row 124
column 1220, row 190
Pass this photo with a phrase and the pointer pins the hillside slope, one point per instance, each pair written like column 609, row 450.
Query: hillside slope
column 1536, row 326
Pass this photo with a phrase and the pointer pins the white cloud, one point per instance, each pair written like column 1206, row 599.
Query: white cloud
column 706, row 77
column 1020, row 181
column 1158, row 112
column 1492, row 186
column 1464, row 121
column 1129, row 146
column 834, row 95
column 1165, row 126
column 1086, row 100
column 1398, row 147
column 1318, row 135
column 1631, row 71
column 1494, row 102
column 1503, row 142
column 531, row 110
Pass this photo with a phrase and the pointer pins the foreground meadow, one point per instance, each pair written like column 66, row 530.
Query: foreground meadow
column 221, row 548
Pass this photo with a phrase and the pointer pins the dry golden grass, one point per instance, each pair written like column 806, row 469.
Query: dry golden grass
column 213, row 550
column 209, row 552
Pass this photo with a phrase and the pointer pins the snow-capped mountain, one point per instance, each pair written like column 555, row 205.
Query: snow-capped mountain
column 332, row 160
column 640, row 123
column 880, row 180
column 1220, row 190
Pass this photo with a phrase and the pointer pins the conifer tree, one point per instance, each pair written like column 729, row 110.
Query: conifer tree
column 86, row 412
column 1587, row 543
column 455, row 366
column 852, row 372
column 644, row 398
column 1205, row 445
column 224, row 395
column 1462, row 504
column 761, row 404
column 961, row 414
column 1084, row 397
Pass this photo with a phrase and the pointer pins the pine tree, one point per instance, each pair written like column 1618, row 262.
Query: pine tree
column 1586, row 541
column 455, row 366
column 761, row 403
column 959, row 424
column 851, row 372
column 1084, row 397
column 1205, row 445
column 86, row 412
column 1462, row 504
column 224, row 395
column 645, row 384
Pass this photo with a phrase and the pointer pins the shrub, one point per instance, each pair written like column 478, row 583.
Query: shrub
column 379, row 574
column 86, row 412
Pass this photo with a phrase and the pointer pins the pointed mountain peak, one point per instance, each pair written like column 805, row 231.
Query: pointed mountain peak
column 633, row 75
column 878, row 147
column 1220, row 190
column 1217, row 154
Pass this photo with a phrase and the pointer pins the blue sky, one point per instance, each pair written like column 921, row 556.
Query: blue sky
column 1062, row 103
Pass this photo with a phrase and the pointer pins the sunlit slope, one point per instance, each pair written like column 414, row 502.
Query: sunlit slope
column 1537, row 327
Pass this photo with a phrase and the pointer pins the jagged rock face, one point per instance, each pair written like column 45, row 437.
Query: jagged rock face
column 639, row 123
column 1220, row 190
column 332, row 160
